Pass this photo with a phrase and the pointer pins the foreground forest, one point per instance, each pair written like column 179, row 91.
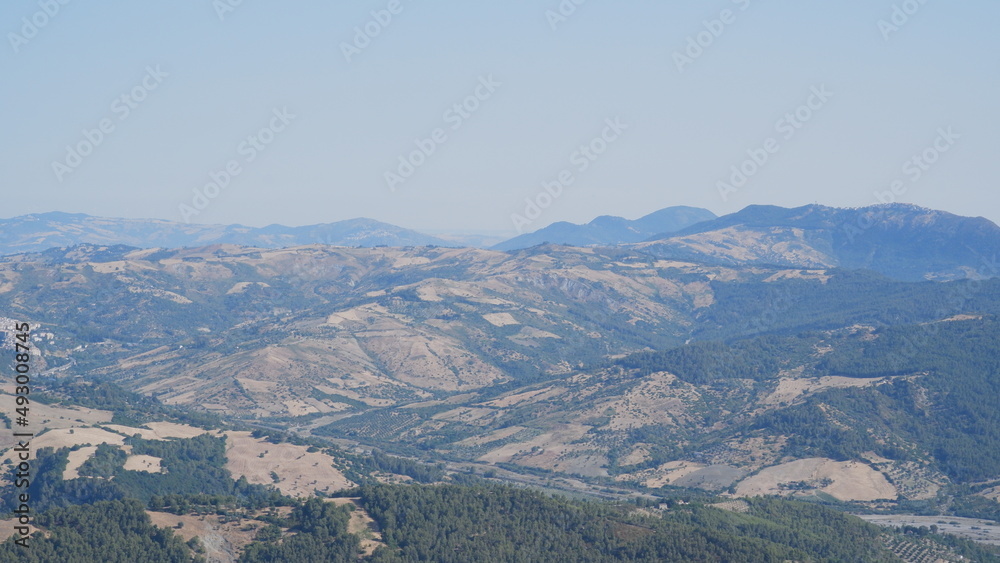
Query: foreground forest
column 488, row 523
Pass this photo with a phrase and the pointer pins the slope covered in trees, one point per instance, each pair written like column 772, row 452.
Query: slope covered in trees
column 489, row 523
column 110, row 532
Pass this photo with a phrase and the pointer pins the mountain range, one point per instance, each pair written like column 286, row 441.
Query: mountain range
column 901, row 241
column 608, row 230
column 844, row 357
column 38, row 232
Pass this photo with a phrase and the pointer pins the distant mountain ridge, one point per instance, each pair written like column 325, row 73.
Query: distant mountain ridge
column 608, row 230
column 901, row 241
column 39, row 232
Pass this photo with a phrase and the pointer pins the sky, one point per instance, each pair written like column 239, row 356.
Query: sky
column 494, row 117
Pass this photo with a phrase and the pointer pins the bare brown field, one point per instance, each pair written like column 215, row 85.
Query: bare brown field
column 223, row 541
column 500, row 319
column 146, row 463
column 68, row 437
column 114, row 434
column 159, row 430
column 76, row 459
column 667, row 474
column 532, row 333
column 848, row 480
column 790, row 389
column 50, row 416
column 554, row 450
column 300, row 473
column 959, row 318
column 173, row 430
column 362, row 524
column 639, row 454
column 241, row 287
column 7, row 528
column 819, row 275
column 993, row 494
column 298, row 407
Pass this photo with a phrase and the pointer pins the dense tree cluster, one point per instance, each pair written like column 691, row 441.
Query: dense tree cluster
column 318, row 532
column 480, row 523
column 494, row 523
column 706, row 362
column 948, row 410
column 109, row 532
column 106, row 462
column 790, row 307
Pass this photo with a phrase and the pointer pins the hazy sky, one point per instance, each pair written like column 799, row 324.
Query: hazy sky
column 312, row 105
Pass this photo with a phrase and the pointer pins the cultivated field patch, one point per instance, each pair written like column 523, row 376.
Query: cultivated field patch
column 847, row 480
column 292, row 469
